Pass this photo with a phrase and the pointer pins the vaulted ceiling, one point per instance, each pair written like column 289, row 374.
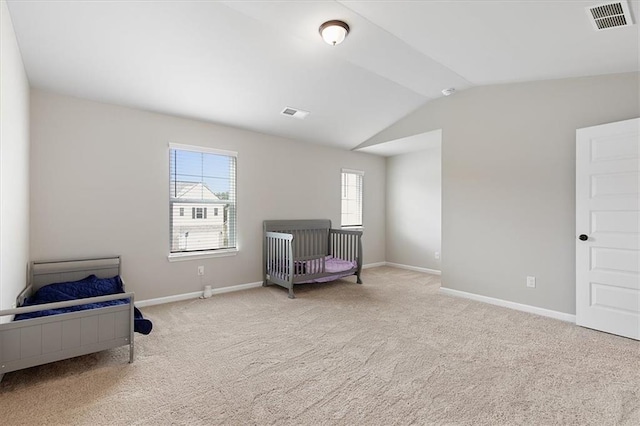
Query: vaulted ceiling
column 240, row 63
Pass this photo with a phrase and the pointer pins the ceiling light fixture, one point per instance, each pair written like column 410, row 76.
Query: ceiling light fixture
column 450, row 91
column 334, row 32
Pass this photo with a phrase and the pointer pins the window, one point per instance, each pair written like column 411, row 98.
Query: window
column 198, row 213
column 202, row 179
column 352, row 197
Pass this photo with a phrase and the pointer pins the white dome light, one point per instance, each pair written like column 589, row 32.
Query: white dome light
column 450, row 91
column 334, row 32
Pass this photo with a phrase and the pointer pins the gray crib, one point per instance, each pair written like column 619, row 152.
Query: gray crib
column 304, row 251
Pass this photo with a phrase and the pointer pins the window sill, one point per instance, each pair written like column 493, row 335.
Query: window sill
column 179, row 257
column 353, row 228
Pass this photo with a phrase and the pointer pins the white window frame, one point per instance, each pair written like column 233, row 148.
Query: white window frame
column 360, row 175
column 203, row 254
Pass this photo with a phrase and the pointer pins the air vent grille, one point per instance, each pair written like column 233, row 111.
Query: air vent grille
column 606, row 10
column 610, row 15
column 295, row 113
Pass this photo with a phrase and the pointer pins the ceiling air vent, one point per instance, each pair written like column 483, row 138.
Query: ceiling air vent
column 609, row 15
column 296, row 113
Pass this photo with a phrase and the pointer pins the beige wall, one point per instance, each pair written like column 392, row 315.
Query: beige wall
column 90, row 159
column 508, row 181
column 413, row 208
column 14, row 165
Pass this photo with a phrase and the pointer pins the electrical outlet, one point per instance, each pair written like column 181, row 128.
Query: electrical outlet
column 200, row 270
column 13, row 306
column 437, row 255
column 531, row 282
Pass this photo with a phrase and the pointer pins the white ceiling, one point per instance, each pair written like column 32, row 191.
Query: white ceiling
column 240, row 63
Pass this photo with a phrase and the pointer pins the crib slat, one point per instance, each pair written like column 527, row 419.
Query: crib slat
column 269, row 255
column 314, row 242
column 286, row 271
column 281, row 259
column 347, row 254
column 276, row 261
column 323, row 241
column 354, row 240
column 351, row 251
column 350, row 247
column 344, row 246
column 335, row 245
column 355, row 247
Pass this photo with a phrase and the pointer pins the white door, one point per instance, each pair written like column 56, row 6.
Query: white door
column 607, row 228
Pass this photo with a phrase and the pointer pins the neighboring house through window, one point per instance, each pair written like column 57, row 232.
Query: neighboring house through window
column 352, row 197
column 202, row 179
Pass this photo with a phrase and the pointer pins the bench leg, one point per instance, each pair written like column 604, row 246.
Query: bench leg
column 291, row 295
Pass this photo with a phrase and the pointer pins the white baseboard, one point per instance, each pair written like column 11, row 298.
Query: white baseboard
column 373, row 265
column 194, row 295
column 511, row 305
column 413, row 268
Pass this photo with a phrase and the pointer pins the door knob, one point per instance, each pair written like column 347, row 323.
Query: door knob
column 583, row 237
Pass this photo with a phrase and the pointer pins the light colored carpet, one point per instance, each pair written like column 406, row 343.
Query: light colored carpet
column 392, row 351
